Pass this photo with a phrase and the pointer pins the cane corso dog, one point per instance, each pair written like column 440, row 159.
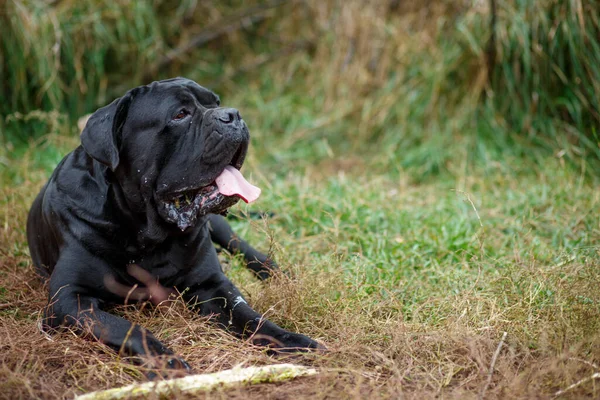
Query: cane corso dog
column 140, row 197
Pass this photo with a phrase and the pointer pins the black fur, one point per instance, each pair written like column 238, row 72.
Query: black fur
column 108, row 207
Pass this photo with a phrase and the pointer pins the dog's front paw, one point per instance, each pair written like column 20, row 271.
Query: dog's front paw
column 296, row 342
column 289, row 342
column 166, row 366
column 263, row 267
column 178, row 363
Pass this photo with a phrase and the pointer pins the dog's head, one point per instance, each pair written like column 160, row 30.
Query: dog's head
column 172, row 147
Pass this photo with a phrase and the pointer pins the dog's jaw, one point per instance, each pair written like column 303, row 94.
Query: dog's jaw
column 183, row 208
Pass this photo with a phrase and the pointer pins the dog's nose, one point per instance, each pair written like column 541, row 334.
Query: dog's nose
column 227, row 115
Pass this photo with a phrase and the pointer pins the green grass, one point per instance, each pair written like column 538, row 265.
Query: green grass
column 419, row 211
column 397, row 77
column 415, row 276
column 548, row 54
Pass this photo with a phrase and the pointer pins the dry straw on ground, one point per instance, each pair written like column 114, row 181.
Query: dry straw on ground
column 394, row 273
column 373, row 353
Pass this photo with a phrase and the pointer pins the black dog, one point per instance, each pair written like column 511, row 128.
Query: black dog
column 142, row 190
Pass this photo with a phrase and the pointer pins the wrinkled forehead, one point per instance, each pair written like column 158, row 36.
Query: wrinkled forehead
column 162, row 95
column 204, row 96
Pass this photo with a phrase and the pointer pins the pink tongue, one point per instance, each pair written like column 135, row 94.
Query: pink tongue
column 232, row 183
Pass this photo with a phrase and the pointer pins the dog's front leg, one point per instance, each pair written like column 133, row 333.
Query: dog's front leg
column 222, row 234
column 215, row 294
column 72, row 305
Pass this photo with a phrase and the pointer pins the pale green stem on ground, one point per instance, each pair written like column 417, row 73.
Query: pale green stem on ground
column 199, row 383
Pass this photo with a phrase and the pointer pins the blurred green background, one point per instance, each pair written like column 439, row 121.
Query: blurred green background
column 417, row 85
column 432, row 166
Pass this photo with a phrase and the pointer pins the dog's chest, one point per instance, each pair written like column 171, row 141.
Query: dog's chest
column 166, row 261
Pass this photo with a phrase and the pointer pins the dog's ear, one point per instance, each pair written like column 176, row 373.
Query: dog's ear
column 101, row 137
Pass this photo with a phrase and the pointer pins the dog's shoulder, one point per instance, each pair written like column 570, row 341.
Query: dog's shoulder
column 78, row 176
column 77, row 190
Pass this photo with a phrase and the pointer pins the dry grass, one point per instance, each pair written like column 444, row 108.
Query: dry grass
column 378, row 150
column 371, row 356
column 383, row 343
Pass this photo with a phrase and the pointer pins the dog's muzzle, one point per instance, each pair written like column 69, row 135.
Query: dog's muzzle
column 226, row 144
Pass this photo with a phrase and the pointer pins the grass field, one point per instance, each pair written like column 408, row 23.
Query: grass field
column 422, row 230
column 410, row 282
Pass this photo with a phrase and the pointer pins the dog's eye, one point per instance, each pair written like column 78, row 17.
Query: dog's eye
column 181, row 115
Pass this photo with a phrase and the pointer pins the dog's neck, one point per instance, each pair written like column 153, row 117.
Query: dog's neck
column 141, row 220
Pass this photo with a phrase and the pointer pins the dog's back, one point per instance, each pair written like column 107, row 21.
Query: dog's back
column 42, row 235
column 44, row 256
